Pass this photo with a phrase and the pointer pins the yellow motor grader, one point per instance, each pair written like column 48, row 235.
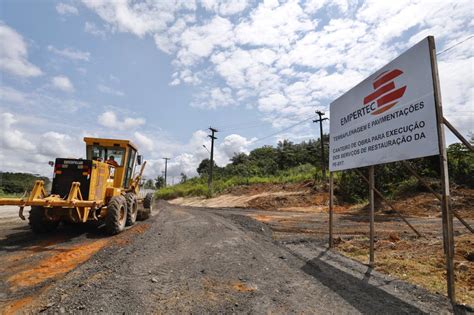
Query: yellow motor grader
column 100, row 188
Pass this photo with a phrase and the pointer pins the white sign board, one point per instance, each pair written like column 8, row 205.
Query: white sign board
column 390, row 116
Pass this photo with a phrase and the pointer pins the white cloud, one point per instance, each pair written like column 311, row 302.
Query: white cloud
column 54, row 144
column 18, row 101
column 233, row 144
column 81, row 70
column 110, row 120
column 199, row 41
column 25, row 150
column 272, row 102
column 62, row 83
column 70, row 53
column 285, row 58
column 225, row 7
column 93, row 29
column 65, row 9
column 12, row 138
column 214, row 98
column 138, row 18
column 193, row 153
column 9, row 94
column 183, row 163
column 313, row 6
column 274, row 25
column 143, row 141
column 109, row 90
column 14, row 54
column 458, row 91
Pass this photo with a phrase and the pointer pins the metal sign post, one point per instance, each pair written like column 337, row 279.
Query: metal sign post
column 448, row 234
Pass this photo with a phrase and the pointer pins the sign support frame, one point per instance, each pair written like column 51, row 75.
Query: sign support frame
column 372, row 215
column 331, row 206
column 447, row 216
column 445, row 203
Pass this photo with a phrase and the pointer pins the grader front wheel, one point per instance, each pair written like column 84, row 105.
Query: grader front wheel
column 116, row 215
column 145, row 213
column 132, row 208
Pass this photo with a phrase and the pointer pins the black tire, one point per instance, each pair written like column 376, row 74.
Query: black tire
column 147, row 207
column 116, row 215
column 132, row 208
column 39, row 222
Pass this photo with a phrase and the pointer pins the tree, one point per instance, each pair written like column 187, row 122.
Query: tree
column 149, row 184
column 183, row 179
column 461, row 164
column 14, row 183
column 203, row 168
column 159, row 182
column 239, row 158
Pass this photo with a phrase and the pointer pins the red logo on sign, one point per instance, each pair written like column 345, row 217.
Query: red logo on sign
column 385, row 93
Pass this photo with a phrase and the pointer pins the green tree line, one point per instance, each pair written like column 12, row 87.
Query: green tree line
column 18, row 183
column 290, row 162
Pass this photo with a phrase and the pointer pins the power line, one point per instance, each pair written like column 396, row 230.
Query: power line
column 237, row 124
column 225, row 127
column 459, row 43
column 282, row 130
column 244, row 128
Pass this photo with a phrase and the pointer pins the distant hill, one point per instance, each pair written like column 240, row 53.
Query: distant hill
column 17, row 183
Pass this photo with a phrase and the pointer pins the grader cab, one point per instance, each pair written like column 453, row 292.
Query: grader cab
column 104, row 187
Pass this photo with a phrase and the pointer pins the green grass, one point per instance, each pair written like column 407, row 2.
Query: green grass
column 198, row 186
column 9, row 195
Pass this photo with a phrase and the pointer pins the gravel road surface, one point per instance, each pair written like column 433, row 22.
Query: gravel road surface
column 196, row 260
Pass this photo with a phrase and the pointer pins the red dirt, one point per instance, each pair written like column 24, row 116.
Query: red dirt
column 56, row 265
column 242, row 287
column 18, row 305
column 50, row 259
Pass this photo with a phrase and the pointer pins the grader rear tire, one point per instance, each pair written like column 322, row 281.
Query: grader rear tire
column 116, row 215
column 39, row 222
column 132, row 208
column 147, row 207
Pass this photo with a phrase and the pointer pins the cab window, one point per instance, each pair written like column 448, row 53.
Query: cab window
column 97, row 152
column 129, row 168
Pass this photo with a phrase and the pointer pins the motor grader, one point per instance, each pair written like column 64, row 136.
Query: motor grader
column 101, row 188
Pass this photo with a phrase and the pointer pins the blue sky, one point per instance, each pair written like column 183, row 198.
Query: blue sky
column 161, row 72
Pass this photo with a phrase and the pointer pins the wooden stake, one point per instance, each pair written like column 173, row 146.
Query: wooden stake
column 331, row 205
column 372, row 214
column 390, row 204
column 448, row 233
column 457, row 134
column 414, row 173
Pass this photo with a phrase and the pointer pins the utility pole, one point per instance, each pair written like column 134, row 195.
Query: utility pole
column 320, row 120
column 211, row 166
column 166, row 168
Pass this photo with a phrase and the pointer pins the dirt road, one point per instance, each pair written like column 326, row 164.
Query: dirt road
column 195, row 260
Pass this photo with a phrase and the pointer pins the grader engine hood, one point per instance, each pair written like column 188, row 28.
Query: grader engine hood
column 67, row 171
